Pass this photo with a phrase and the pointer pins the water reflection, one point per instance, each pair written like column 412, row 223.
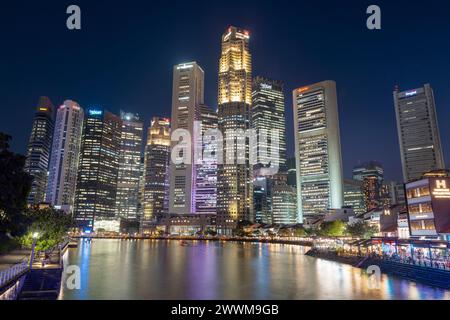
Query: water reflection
column 152, row 269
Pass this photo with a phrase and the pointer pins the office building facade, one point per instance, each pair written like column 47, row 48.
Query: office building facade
column 418, row 132
column 235, row 177
column 371, row 174
column 205, row 192
column 127, row 198
column 317, row 150
column 63, row 170
column 96, row 192
column 268, row 119
column 38, row 150
column 187, row 96
column 156, row 170
column 354, row 196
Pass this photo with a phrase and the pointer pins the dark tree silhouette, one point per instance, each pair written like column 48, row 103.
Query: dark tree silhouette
column 15, row 185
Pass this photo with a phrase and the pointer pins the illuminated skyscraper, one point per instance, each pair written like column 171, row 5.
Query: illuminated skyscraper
column 38, row 150
column 187, row 96
column 418, row 132
column 284, row 204
column 317, row 150
column 206, row 169
column 268, row 117
column 127, row 198
column 96, row 192
column 354, row 196
column 65, row 156
column 234, row 179
column 371, row 175
column 156, row 169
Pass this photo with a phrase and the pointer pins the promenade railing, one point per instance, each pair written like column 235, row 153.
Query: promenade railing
column 13, row 272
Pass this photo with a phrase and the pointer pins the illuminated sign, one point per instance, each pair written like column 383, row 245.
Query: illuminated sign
column 440, row 189
column 300, row 90
column 184, row 66
column 410, row 93
column 266, row 86
column 95, row 112
column 42, row 109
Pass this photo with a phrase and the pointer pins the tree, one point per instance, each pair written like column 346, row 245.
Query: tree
column 15, row 185
column 361, row 229
column 299, row 231
column 51, row 225
column 334, row 228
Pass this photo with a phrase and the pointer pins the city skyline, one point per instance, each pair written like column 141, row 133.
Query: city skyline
column 260, row 150
column 364, row 94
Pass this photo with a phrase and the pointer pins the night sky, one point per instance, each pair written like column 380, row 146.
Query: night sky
column 124, row 54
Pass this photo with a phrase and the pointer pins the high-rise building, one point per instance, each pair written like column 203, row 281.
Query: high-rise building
column 371, row 174
column 392, row 193
column 95, row 199
column 267, row 119
column 291, row 172
column 418, row 132
column 65, row 156
column 284, row 204
column 156, row 170
column 235, row 177
column 262, row 199
column 127, row 198
column 354, row 196
column 39, row 148
column 206, row 169
column 317, row 150
column 187, row 96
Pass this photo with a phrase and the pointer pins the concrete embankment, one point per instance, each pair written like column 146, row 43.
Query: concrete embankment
column 425, row 275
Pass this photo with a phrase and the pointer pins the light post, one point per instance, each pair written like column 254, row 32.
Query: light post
column 33, row 247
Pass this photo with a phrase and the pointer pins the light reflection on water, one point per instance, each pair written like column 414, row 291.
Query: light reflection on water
column 152, row 269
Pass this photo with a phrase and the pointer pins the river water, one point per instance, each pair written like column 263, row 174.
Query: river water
column 156, row 269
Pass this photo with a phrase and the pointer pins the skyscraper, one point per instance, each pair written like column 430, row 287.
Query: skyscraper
column 371, row 174
column 354, row 196
column 156, row 169
column 206, row 169
column 39, row 148
column 65, row 156
column 234, row 179
column 268, row 118
column 95, row 198
column 187, row 96
column 127, row 198
column 392, row 193
column 317, row 150
column 418, row 132
column 284, row 204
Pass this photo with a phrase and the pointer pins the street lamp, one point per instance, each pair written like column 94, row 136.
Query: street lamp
column 33, row 247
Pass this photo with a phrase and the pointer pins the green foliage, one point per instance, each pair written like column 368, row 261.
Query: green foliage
column 15, row 186
column 300, row 232
column 361, row 229
column 51, row 225
column 334, row 228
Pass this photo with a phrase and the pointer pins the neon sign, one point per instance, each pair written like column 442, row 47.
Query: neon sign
column 95, row 112
column 441, row 191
